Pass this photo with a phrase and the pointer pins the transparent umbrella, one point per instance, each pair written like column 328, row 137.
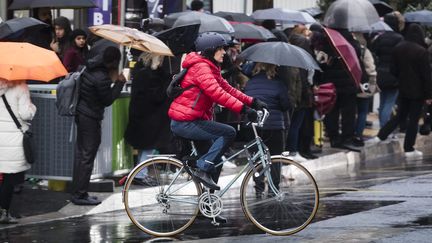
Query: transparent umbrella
column 284, row 15
column 349, row 14
column 207, row 22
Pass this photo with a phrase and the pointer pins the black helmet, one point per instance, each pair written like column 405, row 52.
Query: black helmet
column 209, row 41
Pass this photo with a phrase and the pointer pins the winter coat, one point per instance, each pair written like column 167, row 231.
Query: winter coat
column 410, row 64
column 12, row 159
column 148, row 126
column 95, row 91
column 73, row 58
column 275, row 94
column 207, row 87
column 370, row 72
column 382, row 46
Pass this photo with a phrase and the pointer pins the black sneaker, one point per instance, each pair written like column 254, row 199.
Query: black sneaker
column 205, row 178
column 358, row 141
column 85, row 201
column 308, row 155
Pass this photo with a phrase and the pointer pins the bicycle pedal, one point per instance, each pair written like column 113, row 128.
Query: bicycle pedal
column 214, row 223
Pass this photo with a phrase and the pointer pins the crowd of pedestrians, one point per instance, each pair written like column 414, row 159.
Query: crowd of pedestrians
column 396, row 64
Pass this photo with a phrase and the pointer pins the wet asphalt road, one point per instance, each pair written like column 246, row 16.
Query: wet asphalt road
column 347, row 200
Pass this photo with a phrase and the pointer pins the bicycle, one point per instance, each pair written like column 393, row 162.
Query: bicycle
column 167, row 209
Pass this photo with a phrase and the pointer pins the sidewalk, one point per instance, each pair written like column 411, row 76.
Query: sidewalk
column 37, row 204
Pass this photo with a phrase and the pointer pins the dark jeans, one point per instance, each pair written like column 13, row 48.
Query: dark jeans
column 7, row 187
column 294, row 129
column 87, row 144
column 221, row 134
column 362, row 111
column 345, row 108
column 407, row 109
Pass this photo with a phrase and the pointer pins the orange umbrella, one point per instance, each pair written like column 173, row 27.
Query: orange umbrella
column 24, row 61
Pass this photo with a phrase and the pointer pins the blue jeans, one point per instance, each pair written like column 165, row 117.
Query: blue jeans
column 142, row 156
column 387, row 101
column 221, row 134
column 362, row 111
column 294, row 129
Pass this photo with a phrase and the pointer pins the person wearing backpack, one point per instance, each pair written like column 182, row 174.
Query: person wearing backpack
column 95, row 94
column 191, row 112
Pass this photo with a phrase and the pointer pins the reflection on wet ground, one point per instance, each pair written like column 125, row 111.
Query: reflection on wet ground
column 116, row 226
column 420, row 222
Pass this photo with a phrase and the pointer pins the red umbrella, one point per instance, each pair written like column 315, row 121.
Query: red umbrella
column 347, row 53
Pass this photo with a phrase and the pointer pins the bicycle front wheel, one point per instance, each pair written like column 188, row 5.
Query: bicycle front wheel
column 160, row 198
column 289, row 208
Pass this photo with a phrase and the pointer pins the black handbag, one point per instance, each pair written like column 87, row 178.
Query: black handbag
column 27, row 135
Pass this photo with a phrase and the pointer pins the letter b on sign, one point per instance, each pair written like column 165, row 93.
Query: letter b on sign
column 98, row 19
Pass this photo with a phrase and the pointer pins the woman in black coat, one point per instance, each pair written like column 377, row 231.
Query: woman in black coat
column 148, row 129
column 410, row 64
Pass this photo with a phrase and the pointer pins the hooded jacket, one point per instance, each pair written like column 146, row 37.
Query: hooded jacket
column 410, row 64
column 207, row 87
column 12, row 159
column 95, row 91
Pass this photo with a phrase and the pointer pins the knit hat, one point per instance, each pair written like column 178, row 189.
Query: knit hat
column 77, row 32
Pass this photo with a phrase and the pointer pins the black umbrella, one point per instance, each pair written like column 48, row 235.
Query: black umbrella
column 233, row 16
column 423, row 17
column 27, row 4
column 208, row 22
column 15, row 28
column 381, row 7
column 179, row 39
column 280, row 53
column 252, row 32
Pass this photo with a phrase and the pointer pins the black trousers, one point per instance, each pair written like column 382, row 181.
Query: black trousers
column 88, row 141
column 275, row 141
column 7, row 187
column 407, row 109
column 306, row 131
column 346, row 108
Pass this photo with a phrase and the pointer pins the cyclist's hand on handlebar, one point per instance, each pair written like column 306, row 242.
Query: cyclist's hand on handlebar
column 251, row 113
column 258, row 104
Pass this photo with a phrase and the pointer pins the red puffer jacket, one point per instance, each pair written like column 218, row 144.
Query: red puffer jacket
column 208, row 87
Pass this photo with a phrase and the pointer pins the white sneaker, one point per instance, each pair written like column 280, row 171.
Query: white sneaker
column 414, row 154
column 373, row 140
column 294, row 156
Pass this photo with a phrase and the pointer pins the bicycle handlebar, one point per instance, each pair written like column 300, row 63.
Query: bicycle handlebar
column 262, row 117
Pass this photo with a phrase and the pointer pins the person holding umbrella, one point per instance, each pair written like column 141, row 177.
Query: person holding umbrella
column 191, row 113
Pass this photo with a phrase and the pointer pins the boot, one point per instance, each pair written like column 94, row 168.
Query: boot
column 6, row 218
column 205, row 178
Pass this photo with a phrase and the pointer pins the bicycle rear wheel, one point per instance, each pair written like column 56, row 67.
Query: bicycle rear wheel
column 160, row 197
column 288, row 211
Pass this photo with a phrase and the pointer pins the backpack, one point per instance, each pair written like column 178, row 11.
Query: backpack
column 174, row 89
column 68, row 93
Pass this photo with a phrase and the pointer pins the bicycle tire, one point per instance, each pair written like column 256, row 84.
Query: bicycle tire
column 148, row 205
column 288, row 213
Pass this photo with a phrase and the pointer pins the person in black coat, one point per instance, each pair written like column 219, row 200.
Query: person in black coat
column 410, row 64
column 382, row 46
column 264, row 86
column 95, row 94
column 148, row 128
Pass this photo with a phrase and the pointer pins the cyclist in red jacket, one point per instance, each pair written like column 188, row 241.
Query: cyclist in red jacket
column 191, row 113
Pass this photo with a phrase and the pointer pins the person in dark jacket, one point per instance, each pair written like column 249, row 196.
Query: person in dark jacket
column 149, row 125
column 95, row 94
column 410, row 64
column 382, row 46
column 62, row 30
column 264, row 86
column 76, row 54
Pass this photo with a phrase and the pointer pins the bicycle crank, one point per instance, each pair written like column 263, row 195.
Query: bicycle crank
column 210, row 205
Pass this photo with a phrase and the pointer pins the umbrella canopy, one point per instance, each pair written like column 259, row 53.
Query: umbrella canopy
column 29, row 62
column 379, row 26
column 423, row 17
column 284, row 15
column 381, row 7
column 233, row 16
column 27, row 4
column 179, row 39
column 171, row 18
column 346, row 52
column 349, row 14
column 208, row 22
column 252, row 32
column 18, row 26
column 131, row 37
column 280, row 53
column 315, row 12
